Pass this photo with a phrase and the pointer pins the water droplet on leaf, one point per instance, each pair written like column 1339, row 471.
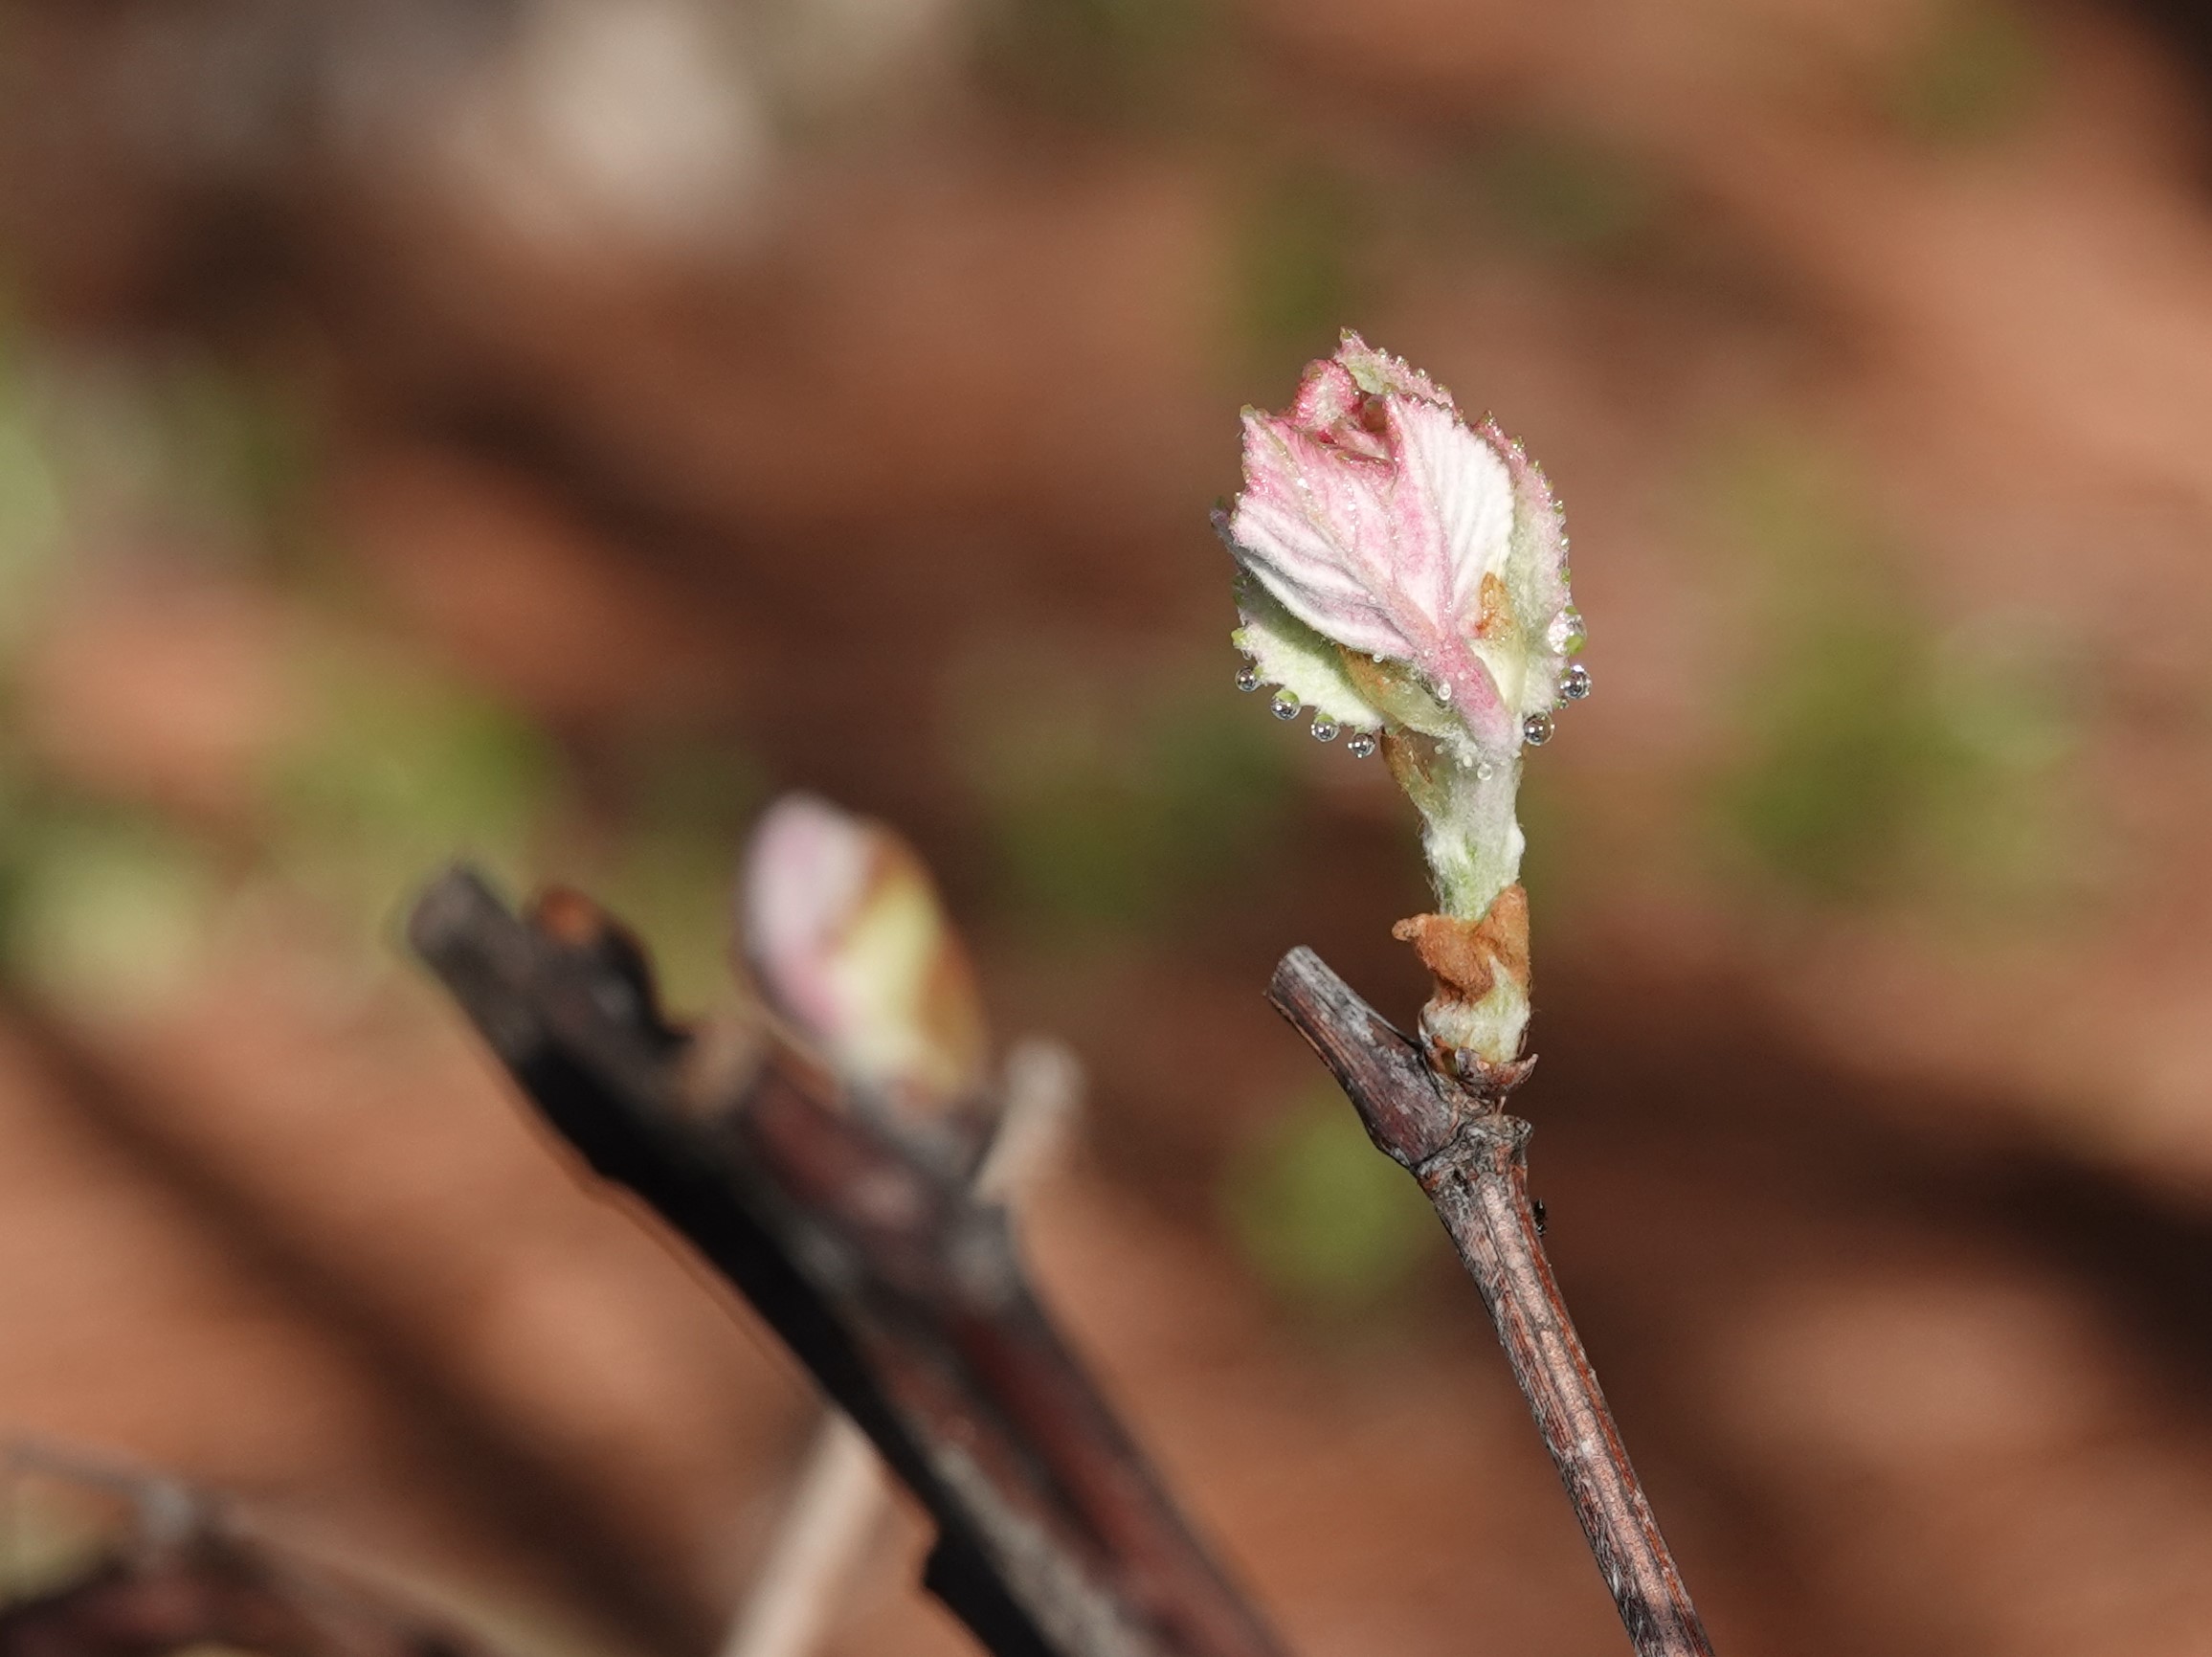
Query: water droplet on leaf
column 1576, row 684
column 1360, row 744
column 1536, row 730
column 1285, row 706
column 1247, row 678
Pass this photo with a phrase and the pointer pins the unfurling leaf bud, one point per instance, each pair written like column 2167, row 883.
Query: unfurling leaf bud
column 842, row 927
column 1405, row 574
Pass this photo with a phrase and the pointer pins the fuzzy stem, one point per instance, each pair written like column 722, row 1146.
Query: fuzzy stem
column 1478, row 945
column 1469, row 835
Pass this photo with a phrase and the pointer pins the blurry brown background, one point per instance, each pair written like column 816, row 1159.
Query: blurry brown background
column 545, row 427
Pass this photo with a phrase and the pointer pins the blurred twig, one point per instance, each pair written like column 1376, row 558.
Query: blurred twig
column 899, row 1290
column 1469, row 1159
column 836, row 1502
column 840, row 1492
column 269, row 1232
column 184, row 1577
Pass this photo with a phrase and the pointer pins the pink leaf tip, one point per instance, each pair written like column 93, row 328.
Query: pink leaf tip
column 844, row 931
column 1378, row 517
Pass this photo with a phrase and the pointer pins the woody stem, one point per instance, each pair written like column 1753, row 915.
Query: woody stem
column 1471, row 1163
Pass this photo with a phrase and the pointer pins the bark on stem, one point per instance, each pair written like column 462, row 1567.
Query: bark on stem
column 1469, row 1157
column 870, row 1254
column 183, row 1575
column 802, row 1584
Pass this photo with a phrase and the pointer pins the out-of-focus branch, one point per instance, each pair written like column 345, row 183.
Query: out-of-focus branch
column 1470, row 1161
column 836, row 1502
column 270, row 1229
column 840, row 1493
column 187, row 1579
column 899, row 1290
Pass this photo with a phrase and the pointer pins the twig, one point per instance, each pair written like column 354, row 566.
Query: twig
column 870, row 1257
column 1469, row 1159
column 1044, row 1092
column 182, row 1575
column 838, row 1498
column 840, row 1495
column 510, row 1477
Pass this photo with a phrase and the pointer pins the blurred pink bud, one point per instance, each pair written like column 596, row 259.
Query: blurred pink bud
column 842, row 927
column 1379, row 519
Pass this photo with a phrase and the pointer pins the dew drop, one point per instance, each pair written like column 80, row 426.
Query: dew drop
column 1361, row 744
column 1324, row 729
column 1485, row 770
column 1576, row 684
column 1536, row 730
column 1285, row 706
column 1247, row 678
column 1443, row 692
column 1566, row 635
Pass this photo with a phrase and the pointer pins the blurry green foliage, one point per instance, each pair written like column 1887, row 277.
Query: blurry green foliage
column 1882, row 753
column 1107, row 810
column 31, row 500
column 1296, row 278
column 243, row 444
column 1848, row 751
column 1097, row 62
column 60, row 1526
column 181, row 446
column 2017, row 836
column 390, row 766
column 104, row 909
column 688, row 803
column 395, row 770
column 1562, row 191
column 1976, row 71
column 1333, row 1226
